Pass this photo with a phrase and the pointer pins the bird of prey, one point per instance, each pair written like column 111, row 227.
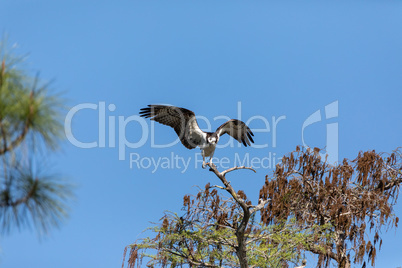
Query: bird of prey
column 185, row 124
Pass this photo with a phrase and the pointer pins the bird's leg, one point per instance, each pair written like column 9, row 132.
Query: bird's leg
column 203, row 160
column 210, row 159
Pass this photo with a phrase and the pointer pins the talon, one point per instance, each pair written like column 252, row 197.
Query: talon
column 204, row 165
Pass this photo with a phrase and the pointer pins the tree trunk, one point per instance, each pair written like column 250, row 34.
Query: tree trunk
column 241, row 251
column 343, row 260
column 344, row 263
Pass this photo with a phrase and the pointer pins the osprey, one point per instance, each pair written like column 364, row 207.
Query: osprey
column 185, row 124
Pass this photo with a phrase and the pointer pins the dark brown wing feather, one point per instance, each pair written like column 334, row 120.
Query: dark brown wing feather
column 238, row 130
column 177, row 118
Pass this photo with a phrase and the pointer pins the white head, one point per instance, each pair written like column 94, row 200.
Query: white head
column 213, row 139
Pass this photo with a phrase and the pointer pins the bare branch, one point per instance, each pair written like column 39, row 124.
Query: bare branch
column 236, row 168
column 240, row 232
column 260, row 206
column 228, row 187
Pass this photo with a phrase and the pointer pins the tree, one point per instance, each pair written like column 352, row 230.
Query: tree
column 307, row 206
column 217, row 231
column 354, row 197
column 29, row 125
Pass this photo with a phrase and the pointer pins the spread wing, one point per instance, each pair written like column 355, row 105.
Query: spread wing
column 183, row 121
column 238, row 130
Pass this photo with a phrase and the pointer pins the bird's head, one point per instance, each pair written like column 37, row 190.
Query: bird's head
column 213, row 139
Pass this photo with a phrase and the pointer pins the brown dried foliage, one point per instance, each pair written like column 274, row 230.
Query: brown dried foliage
column 347, row 196
column 354, row 199
column 206, row 209
column 208, row 206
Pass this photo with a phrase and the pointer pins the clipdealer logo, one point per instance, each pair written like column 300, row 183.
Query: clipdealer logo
column 332, row 135
column 175, row 161
column 111, row 133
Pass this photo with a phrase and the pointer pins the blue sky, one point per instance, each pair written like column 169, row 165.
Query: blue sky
column 273, row 59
